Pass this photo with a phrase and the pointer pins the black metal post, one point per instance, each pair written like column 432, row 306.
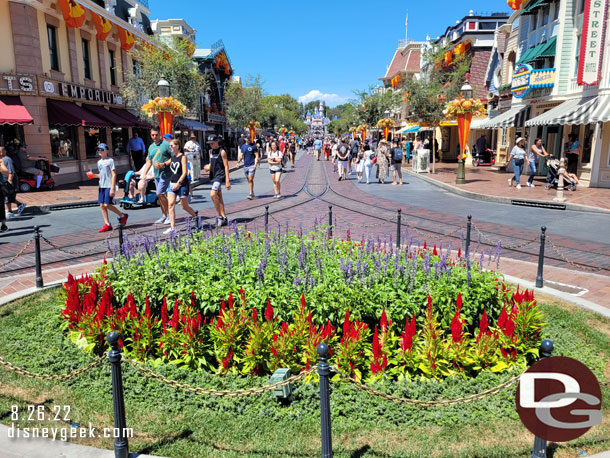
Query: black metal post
column 121, row 237
column 330, row 220
column 121, row 445
column 546, row 350
column 539, row 279
column 398, row 224
column 468, row 227
column 266, row 218
column 324, row 372
column 39, row 282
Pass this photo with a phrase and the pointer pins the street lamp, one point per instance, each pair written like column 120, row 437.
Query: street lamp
column 163, row 87
column 386, row 113
column 467, row 90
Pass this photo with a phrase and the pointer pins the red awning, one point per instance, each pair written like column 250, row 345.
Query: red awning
column 132, row 119
column 12, row 111
column 70, row 114
column 107, row 115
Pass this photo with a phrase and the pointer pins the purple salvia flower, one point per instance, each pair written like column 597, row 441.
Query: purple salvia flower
column 498, row 250
column 297, row 281
column 427, row 263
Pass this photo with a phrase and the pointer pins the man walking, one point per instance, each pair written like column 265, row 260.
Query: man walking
column 159, row 154
column 136, row 148
column 193, row 155
column 249, row 154
column 219, row 172
column 317, row 146
column 343, row 159
column 13, row 185
column 396, row 154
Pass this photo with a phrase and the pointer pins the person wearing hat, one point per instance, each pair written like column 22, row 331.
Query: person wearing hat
column 396, row 154
column 219, row 172
column 107, row 185
column 159, row 157
column 193, row 155
column 168, row 137
column 517, row 155
column 28, row 164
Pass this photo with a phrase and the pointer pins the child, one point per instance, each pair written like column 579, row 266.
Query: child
column 107, row 186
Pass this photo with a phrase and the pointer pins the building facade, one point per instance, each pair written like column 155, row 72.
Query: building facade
column 64, row 62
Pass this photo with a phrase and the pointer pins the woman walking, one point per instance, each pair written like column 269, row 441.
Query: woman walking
column 517, row 155
column 572, row 153
column 179, row 185
column 369, row 154
column 536, row 151
column 275, row 168
column 383, row 162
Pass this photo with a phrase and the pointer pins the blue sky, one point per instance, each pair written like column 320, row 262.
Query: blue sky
column 330, row 47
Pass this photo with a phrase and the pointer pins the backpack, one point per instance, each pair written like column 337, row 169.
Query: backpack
column 355, row 149
column 397, row 154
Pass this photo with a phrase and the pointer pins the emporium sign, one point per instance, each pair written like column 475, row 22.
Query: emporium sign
column 590, row 57
column 526, row 79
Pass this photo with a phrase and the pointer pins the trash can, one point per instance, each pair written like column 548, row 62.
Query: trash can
column 421, row 161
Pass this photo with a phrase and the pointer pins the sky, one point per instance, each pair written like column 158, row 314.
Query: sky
column 316, row 49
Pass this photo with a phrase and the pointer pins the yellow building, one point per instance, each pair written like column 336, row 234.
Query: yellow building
column 64, row 62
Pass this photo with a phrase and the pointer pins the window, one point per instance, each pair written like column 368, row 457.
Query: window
column 86, row 60
column 534, row 21
column 555, row 11
column 53, row 54
column 544, row 12
column 577, row 55
column 487, row 25
column 503, row 138
column 93, row 137
column 581, row 7
column 112, row 67
column 120, row 137
column 63, row 142
column 137, row 71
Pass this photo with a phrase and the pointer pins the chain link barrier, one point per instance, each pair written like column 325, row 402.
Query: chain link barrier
column 78, row 252
column 25, row 247
column 62, row 377
column 219, row 393
column 486, row 239
column 421, row 403
column 572, row 263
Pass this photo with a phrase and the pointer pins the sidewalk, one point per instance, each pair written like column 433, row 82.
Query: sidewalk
column 483, row 183
column 76, row 194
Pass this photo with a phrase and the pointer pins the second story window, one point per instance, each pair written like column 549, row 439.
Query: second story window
column 53, row 54
column 86, row 60
column 112, row 67
column 136, row 68
column 544, row 12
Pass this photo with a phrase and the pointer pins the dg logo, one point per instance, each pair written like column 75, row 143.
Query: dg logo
column 559, row 399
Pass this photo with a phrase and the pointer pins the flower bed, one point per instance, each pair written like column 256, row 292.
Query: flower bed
column 168, row 301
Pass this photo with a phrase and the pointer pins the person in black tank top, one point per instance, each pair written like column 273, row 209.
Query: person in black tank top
column 179, row 185
column 219, row 172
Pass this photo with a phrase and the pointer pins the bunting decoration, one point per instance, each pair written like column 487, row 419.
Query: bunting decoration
column 74, row 14
column 102, row 25
column 127, row 39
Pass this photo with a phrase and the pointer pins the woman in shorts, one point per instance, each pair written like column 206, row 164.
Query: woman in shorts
column 178, row 185
column 275, row 168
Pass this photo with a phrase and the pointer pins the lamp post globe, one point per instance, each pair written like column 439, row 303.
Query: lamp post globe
column 467, row 90
column 386, row 113
column 163, row 87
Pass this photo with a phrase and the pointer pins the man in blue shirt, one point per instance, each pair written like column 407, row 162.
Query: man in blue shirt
column 136, row 148
column 317, row 146
column 249, row 154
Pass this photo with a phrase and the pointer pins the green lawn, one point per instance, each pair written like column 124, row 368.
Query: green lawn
column 173, row 423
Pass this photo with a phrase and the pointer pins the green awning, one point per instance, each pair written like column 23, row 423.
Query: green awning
column 533, row 6
column 546, row 49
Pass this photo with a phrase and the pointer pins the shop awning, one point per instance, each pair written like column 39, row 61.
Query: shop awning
column 107, row 115
column 597, row 111
column 566, row 113
column 549, row 50
column 506, row 119
column 133, row 120
column 191, row 124
column 409, row 129
column 540, row 51
column 12, row 111
column 70, row 114
column 533, row 5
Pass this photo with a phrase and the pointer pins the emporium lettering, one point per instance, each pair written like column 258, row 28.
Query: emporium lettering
column 93, row 95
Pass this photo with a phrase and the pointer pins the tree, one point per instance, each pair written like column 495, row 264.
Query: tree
column 243, row 103
column 280, row 110
column 375, row 102
column 169, row 61
column 427, row 97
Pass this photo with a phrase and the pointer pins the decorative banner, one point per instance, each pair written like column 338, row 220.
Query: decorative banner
column 73, row 13
column 448, row 58
column 592, row 39
column 166, row 122
column 252, row 133
column 386, row 130
column 515, row 4
column 127, row 39
column 463, row 121
column 102, row 25
column 363, row 131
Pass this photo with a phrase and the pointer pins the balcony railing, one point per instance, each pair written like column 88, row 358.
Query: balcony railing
column 585, row 89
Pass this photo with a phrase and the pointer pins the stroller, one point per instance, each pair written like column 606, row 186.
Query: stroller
column 553, row 177
column 149, row 198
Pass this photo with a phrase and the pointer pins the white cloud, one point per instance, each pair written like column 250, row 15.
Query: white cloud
column 330, row 99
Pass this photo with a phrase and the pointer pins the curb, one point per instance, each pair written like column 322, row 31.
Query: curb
column 504, row 200
column 33, row 209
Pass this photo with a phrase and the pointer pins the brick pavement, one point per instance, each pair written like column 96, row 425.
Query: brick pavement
column 487, row 182
column 364, row 215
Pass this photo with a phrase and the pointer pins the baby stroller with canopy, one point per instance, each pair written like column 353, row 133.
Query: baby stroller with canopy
column 553, row 177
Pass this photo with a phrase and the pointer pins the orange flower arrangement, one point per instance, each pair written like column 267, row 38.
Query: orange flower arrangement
column 362, row 127
column 386, row 122
column 253, row 125
column 164, row 105
column 460, row 105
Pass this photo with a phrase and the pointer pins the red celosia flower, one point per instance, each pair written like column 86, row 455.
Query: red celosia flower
column 425, row 246
column 164, row 313
column 456, row 328
column 459, row 252
column 147, row 311
column 226, row 360
column 242, row 293
column 193, row 300
column 176, row 316
column 231, row 300
column 429, row 305
column 376, row 346
column 434, row 252
column 269, row 311
column 502, row 318
column 458, row 302
column 384, row 321
column 303, row 302
column 254, row 316
column 483, row 326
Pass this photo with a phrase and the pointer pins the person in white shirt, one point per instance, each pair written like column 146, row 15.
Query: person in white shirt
column 193, row 155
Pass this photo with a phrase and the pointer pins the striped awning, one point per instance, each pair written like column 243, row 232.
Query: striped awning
column 571, row 112
column 506, row 119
